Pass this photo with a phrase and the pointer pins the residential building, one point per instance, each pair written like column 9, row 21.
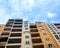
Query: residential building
column 22, row 34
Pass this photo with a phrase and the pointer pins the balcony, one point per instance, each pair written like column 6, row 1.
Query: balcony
column 33, row 26
column 2, row 46
column 11, row 19
column 16, row 23
column 36, row 41
column 16, row 30
column 16, row 40
column 18, row 20
column 34, row 30
column 3, row 39
column 3, row 43
column 15, row 35
column 56, row 23
column 35, row 35
column 58, row 27
column 8, row 25
column 18, row 26
column 7, row 29
column 58, row 32
column 4, row 33
column 14, row 46
column 38, row 46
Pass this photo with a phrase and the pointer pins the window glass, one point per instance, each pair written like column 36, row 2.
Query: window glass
column 25, row 22
column 26, row 36
column 47, row 39
column 26, row 28
column 50, row 46
column 27, row 42
column 44, row 34
column 25, row 25
column 27, row 32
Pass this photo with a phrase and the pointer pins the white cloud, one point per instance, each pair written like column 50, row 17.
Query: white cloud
column 27, row 3
column 50, row 15
column 20, row 7
column 3, row 16
column 31, row 10
column 22, row 4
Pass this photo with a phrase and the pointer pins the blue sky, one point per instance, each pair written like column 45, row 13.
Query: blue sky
column 30, row 10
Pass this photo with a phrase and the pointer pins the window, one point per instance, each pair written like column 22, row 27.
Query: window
column 38, row 46
column 53, row 27
column 16, row 30
column 26, row 28
column 50, row 46
column 44, row 34
column 42, row 28
column 2, row 46
column 27, row 32
column 27, row 42
column 47, row 39
column 33, row 26
column 17, row 23
column 18, row 40
column 5, row 33
column 9, row 22
column 36, row 41
column 58, row 27
column 18, row 20
column 35, row 35
column 8, row 25
column 14, row 46
column 26, row 36
column 25, row 25
column 15, row 35
column 57, row 37
column 3, row 39
column 25, row 22
column 34, row 30
column 11, row 19
column 7, row 29
column 17, row 26
column 54, row 33
column 58, row 32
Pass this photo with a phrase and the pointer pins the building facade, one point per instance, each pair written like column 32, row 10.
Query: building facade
column 42, row 36
column 1, row 28
column 58, row 32
column 22, row 34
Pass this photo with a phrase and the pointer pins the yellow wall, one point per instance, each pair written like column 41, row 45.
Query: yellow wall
column 1, row 27
column 52, row 40
column 42, row 28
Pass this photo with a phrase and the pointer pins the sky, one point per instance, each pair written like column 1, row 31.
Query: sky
column 30, row 10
